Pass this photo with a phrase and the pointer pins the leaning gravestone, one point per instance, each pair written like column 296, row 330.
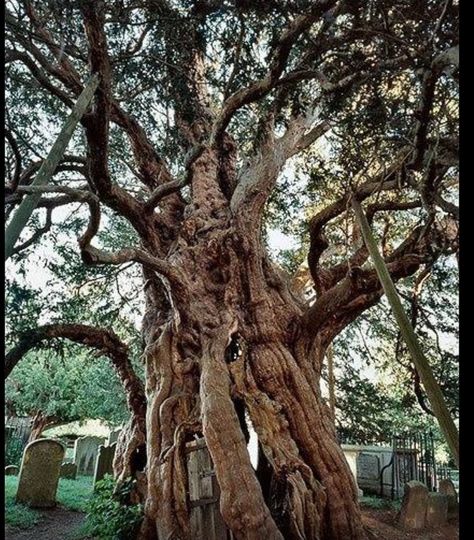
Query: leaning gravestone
column 11, row 470
column 446, row 487
column 104, row 464
column 39, row 473
column 69, row 471
column 415, row 501
column 436, row 510
column 85, row 454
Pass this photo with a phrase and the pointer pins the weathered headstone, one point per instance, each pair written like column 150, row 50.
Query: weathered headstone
column 85, row 454
column 39, row 473
column 104, row 462
column 446, row 486
column 368, row 466
column 113, row 436
column 436, row 510
column 415, row 501
column 69, row 471
column 11, row 470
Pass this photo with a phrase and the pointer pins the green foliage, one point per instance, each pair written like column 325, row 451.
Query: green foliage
column 110, row 514
column 69, row 384
column 18, row 515
column 14, row 450
column 75, row 494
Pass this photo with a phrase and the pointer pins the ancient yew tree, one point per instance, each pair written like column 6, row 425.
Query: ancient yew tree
column 214, row 121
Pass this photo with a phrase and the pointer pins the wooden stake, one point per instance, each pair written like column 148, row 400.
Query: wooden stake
column 46, row 171
column 433, row 391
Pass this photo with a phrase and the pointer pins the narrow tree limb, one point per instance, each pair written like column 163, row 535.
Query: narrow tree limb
column 432, row 388
column 278, row 63
column 37, row 234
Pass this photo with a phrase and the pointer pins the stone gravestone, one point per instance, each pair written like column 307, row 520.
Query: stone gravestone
column 446, row 487
column 85, row 454
column 69, row 471
column 368, row 466
column 436, row 510
column 414, row 504
column 39, row 473
column 368, row 472
column 104, row 462
column 11, row 470
column 113, row 436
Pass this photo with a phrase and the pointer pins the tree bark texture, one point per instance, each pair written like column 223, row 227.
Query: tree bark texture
column 234, row 335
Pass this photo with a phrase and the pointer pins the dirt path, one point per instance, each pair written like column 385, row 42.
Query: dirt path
column 55, row 524
column 60, row 524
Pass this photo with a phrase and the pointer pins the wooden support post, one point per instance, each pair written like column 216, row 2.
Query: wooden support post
column 46, row 171
column 430, row 384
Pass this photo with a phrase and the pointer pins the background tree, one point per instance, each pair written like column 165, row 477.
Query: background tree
column 65, row 387
column 209, row 118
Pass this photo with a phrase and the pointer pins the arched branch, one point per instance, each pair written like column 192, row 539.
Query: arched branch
column 104, row 341
column 94, row 256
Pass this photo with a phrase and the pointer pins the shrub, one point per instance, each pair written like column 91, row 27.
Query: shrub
column 109, row 513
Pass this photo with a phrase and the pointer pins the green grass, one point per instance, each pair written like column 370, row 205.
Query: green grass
column 18, row 515
column 72, row 494
column 379, row 503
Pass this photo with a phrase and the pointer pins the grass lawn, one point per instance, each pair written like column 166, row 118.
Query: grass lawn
column 72, row 494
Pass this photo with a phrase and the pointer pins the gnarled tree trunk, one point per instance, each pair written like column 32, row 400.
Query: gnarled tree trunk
column 239, row 339
column 224, row 334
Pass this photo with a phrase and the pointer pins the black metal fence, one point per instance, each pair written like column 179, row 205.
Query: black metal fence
column 412, row 458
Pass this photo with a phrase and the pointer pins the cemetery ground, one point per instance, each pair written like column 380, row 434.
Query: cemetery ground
column 67, row 519
column 380, row 520
column 64, row 521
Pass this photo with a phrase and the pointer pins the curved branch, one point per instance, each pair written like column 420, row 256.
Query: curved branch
column 278, row 62
column 40, row 76
column 104, row 341
column 92, row 255
column 361, row 288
